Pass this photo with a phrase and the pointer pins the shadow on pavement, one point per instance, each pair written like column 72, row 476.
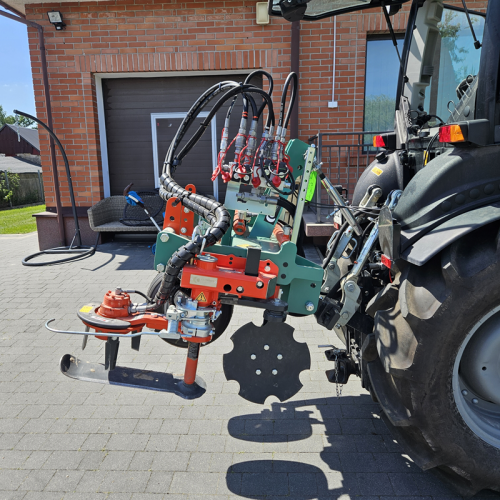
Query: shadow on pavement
column 131, row 256
column 359, row 458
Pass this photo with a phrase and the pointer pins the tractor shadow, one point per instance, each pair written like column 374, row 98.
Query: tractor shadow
column 123, row 255
column 342, row 446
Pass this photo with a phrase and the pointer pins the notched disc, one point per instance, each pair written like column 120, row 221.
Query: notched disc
column 266, row 360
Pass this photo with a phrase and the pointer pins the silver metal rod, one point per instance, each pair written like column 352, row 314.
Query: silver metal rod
column 128, row 335
column 338, row 200
column 363, row 256
column 301, row 196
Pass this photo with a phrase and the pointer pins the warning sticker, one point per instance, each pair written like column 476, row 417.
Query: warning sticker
column 86, row 309
column 377, row 171
column 201, row 297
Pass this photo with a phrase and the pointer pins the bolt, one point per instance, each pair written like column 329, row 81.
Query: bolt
column 327, row 288
column 349, row 286
column 246, row 178
column 280, row 356
column 331, row 266
column 345, row 315
column 337, row 325
column 275, row 372
column 253, row 356
column 267, row 269
column 118, row 290
column 309, row 306
column 475, row 401
column 258, row 372
column 464, row 393
column 164, row 237
column 266, row 348
column 240, row 289
column 186, row 210
column 183, row 230
column 160, row 268
column 260, row 284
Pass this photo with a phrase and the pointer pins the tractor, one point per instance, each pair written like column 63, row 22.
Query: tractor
column 408, row 283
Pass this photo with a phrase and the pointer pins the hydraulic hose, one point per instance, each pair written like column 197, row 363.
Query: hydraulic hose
column 247, row 89
column 191, row 115
column 270, row 92
column 287, row 205
column 214, row 212
column 219, row 219
column 292, row 77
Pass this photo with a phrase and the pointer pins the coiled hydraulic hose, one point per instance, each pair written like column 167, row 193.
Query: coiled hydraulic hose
column 213, row 211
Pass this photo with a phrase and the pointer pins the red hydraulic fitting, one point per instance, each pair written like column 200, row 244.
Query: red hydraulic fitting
column 256, row 182
column 239, row 224
column 276, row 181
column 282, row 234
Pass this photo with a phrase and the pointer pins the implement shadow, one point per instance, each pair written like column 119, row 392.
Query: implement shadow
column 358, row 456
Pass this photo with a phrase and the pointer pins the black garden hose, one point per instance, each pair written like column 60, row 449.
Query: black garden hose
column 79, row 251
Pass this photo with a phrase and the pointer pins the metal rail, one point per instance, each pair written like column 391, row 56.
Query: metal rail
column 344, row 155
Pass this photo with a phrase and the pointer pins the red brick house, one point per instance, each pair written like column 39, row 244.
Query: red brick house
column 18, row 140
column 122, row 73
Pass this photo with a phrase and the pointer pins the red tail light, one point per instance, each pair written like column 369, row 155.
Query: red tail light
column 386, row 261
column 451, row 133
column 378, row 142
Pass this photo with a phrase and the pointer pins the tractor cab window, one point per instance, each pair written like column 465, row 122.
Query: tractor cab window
column 455, row 62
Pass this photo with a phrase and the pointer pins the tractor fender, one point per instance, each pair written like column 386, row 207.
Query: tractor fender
column 445, row 234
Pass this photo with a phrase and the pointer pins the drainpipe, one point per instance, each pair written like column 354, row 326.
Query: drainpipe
column 8, row 7
column 295, row 67
column 48, row 107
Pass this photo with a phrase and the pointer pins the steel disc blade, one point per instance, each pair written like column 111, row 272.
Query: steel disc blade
column 266, row 361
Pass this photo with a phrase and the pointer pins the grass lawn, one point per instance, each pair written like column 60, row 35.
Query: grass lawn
column 19, row 220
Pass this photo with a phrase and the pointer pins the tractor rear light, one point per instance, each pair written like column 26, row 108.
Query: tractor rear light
column 451, row 133
column 378, row 142
column 386, row 261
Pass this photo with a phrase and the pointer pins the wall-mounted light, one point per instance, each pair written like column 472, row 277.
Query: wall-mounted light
column 262, row 13
column 55, row 18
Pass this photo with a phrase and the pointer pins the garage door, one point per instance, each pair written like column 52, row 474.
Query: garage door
column 134, row 105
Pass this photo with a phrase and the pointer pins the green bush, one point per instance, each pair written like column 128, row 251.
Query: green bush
column 8, row 189
column 27, row 199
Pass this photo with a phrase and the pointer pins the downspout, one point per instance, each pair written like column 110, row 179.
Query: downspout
column 48, row 107
column 295, row 67
column 8, row 7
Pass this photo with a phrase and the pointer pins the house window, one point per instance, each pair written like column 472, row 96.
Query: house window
column 381, row 79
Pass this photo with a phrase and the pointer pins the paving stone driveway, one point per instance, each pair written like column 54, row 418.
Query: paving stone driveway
column 64, row 439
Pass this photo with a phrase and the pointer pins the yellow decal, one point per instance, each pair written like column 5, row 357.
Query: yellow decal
column 377, row 171
column 201, row 297
column 86, row 309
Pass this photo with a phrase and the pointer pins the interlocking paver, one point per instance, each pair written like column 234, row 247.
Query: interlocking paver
column 66, row 440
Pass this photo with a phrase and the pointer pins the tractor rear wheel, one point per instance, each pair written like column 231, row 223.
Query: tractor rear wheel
column 437, row 375
column 220, row 324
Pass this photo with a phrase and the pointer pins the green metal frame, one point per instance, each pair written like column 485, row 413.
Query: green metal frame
column 298, row 278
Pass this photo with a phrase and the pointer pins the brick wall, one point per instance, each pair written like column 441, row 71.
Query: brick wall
column 123, row 36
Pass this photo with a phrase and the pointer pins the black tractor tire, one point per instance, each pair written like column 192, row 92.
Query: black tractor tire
column 420, row 341
column 220, row 324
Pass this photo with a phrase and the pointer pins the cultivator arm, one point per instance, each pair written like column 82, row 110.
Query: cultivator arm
column 241, row 253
